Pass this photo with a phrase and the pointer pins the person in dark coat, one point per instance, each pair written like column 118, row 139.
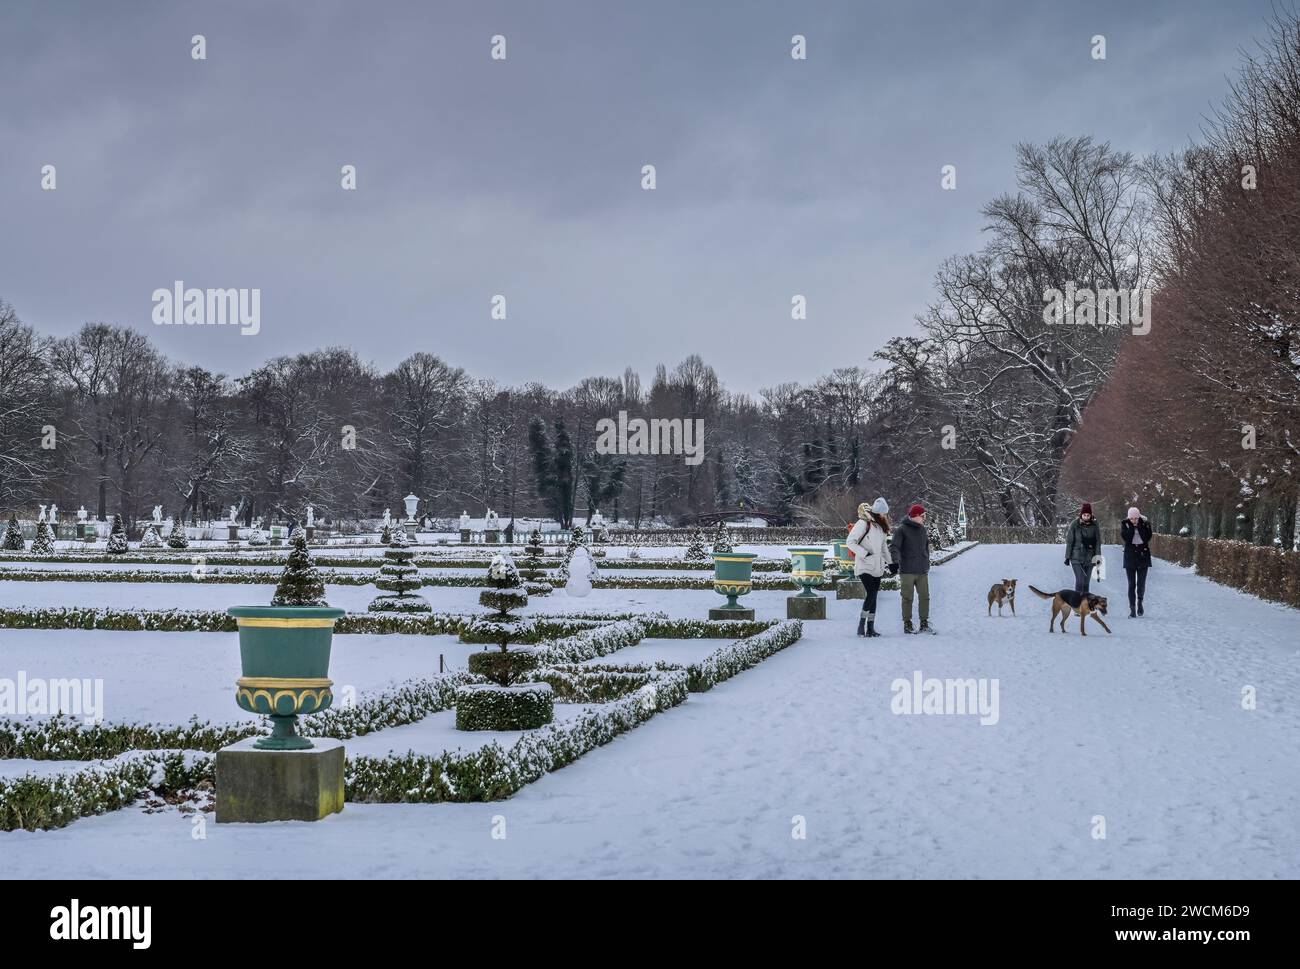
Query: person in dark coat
column 1082, row 547
column 1135, row 530
column 910, row 548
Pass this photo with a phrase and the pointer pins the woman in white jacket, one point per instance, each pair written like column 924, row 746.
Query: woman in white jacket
column 869, row 543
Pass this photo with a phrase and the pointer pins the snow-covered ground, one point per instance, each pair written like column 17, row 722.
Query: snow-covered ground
column 166, row 678
column 1144, row 728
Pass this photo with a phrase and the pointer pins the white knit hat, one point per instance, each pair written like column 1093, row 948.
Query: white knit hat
column 1134, row 513
column 880, row 506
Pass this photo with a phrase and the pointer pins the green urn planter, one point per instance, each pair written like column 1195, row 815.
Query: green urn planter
column 806, row 568
column 285, row 657
column 842, row 558
column 733, row 576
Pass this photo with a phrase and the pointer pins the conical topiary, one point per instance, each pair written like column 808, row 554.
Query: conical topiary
column 177, row 538
column 151, row 538
column 698, row 550
column 531, row 565
column 398, row 577
column 13, row 541
column 722, row 539
column 301, row 583
column 117, row 538
column 43, row 543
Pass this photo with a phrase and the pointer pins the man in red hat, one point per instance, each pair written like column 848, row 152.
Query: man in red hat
column 1082, row 547
column 911, row 552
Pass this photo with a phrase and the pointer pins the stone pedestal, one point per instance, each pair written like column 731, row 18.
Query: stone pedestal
column 92, row 533
column 805, row 607
column 464, row 536
column 311, row 534
column 724, row 613
column 232, row 534
column 850, row 589
column 279, row 785
column 492, row 536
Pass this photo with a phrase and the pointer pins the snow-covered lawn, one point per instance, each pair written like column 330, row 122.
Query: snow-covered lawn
column 1144, row 728
column 166, row 678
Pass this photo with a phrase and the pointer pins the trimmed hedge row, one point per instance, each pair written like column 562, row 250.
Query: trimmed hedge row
column 1269, row 573
column 490, row 706
column 37, row 803
column 743, row 654
column 368, row 562
column 594, row 642
column 492, row 772
column 443, row 580
column 196, row 620
column 66, row 738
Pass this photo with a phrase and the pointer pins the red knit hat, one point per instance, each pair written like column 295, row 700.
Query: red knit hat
column 915, row 510
column 1086, row 509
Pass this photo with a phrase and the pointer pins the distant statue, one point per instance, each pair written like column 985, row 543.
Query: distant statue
column 42, row 516
column 234, row 510
column 388, row 518
column 157, row 514
column 81, row 513
column 54, row 514
column 311, row 517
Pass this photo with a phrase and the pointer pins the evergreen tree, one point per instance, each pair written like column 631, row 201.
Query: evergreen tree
column 398, row 577
column 13, row 541
column 505, row 593
column 698, row 550
column 43, row 543
column 554, row 469
column 532, row 564
column 177, row 538
column 117, row 544
column 301, row 583
column 151, row 538
column 722, row 539
column 257, row 536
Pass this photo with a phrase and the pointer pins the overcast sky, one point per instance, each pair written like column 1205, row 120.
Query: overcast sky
column 522, row 177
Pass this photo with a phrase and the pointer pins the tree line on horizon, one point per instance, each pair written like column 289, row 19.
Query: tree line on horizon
column 990, row 399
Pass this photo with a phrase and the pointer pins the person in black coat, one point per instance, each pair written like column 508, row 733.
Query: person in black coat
column 1136, row 534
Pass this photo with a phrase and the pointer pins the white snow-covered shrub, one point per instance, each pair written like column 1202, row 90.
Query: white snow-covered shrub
column 257, row 537
column 151, row 538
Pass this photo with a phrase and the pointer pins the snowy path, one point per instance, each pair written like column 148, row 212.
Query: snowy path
column 1144, row 727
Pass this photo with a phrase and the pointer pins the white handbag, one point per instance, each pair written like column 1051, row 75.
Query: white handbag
column 1099, row 570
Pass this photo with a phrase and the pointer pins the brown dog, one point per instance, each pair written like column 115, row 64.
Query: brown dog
column 1004, row 590
column 1085, row 604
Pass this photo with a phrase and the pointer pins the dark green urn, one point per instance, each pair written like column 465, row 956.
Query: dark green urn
column 733, row 576
column 284, row 653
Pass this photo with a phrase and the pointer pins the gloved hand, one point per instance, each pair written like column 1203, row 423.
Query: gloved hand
column 1096, row 560
column 1067, row 561
column 893, row 568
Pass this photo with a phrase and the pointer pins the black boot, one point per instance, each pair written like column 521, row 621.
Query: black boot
column 907, row 626
column 1139, row 607
column 871, row 624
column 927, row 628
column 862, row 621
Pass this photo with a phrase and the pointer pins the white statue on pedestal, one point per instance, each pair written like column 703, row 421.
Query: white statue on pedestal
column 157, row 514
column 234, row 509
column 81, row 513
column 42, row 516
column 388, row 518
column 54, row 514
column 311, row 517
column 464, row 521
